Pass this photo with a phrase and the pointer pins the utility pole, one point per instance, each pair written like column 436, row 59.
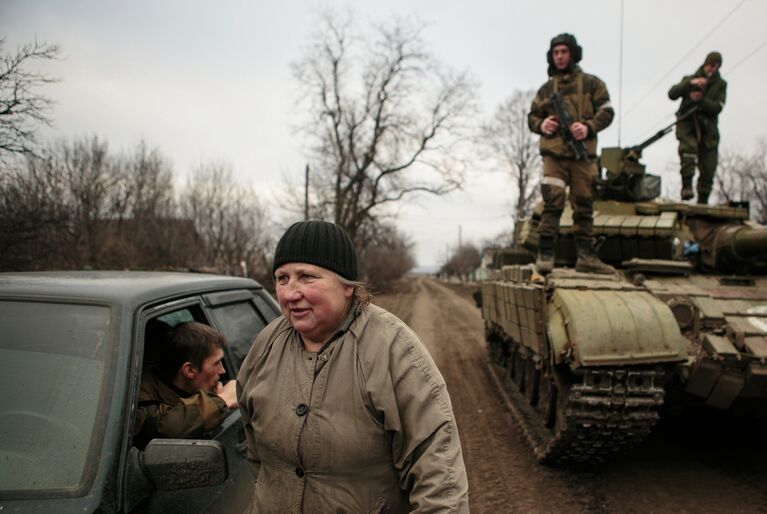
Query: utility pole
column 460, row 244
column 306, row 193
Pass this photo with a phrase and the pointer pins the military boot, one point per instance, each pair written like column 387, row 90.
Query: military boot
column 703, row 197
column 545, row 262
column 588, row 262
column 687, row 192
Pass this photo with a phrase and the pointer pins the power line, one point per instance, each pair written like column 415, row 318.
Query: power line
column 730, row 70
column 700, row 42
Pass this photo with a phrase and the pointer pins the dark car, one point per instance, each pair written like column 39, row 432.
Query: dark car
column 72, row 348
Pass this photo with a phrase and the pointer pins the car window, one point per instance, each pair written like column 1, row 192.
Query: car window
column 54, row 360
column 240, row 322
column 269, row 309
column 176, row 317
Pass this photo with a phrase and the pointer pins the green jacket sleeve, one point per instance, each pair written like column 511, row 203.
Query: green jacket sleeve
column 193, row 417
column 162, row 413
column 681, row 89
column 537, row 114
column 603, row 110
column 417, row 412
column 711, row 106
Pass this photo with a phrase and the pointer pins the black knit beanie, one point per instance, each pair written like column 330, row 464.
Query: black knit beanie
column 320, row 243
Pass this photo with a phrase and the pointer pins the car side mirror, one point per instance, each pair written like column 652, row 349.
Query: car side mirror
column 172, row 464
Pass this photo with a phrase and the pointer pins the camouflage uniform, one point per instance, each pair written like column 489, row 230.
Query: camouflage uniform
column 588, row 101
column 698, row 133
column 166, row 411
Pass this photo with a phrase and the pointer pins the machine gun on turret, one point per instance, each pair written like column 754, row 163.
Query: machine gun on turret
column 625, row 178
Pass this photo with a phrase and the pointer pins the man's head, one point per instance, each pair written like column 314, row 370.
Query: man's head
column 192, row 357
column 712, row 63
column 563, row 54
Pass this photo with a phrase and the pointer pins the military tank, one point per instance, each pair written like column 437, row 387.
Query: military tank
column 588, row 360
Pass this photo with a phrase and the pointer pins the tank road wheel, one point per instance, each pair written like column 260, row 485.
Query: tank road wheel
column 520, row 367
column 505, row 352
column 512, row 361
column 496, row 349
column 531, row 382
column 561, row 394
column 547, row 398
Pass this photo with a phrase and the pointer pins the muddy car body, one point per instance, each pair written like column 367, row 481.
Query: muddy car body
column 72, row 345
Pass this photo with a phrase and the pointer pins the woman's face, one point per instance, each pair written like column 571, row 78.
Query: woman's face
column 312, row 299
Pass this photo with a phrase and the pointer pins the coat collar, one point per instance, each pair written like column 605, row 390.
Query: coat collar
column 354, row 310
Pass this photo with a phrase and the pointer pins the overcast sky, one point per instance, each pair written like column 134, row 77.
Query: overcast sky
column 211, row 81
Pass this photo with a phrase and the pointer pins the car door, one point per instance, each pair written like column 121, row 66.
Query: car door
column 239, row 315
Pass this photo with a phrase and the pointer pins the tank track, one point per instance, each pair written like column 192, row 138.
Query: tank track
column 596, row 412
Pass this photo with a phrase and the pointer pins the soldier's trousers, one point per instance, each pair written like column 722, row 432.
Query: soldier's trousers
column 693, row 154
column 581, row 176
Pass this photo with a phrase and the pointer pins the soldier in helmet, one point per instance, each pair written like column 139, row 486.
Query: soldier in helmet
column 588, row 103
column 698, row 134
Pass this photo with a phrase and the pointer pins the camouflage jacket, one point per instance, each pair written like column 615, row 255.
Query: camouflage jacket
column 166, row 411
column 703, row 124
column 587, row 100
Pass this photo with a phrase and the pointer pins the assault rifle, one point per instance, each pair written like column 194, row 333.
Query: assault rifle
column 565, row 120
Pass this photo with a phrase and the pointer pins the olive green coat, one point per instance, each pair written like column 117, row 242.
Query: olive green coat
column 587, row 100
column 366, row 425
column 702, row 127
column 166, row 411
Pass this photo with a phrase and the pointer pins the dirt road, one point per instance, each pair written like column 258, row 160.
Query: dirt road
column 698, row 463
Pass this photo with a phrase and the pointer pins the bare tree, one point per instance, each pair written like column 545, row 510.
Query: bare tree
column 143, row 223
column 742, row 177
column 387, row 258
column 512, row 147
column 79, row 206
column 88, row 179
column 464, row 260
column 33, row 218
column 386, row 120
column 22, row 107
column 230, row 220
column 71, row 186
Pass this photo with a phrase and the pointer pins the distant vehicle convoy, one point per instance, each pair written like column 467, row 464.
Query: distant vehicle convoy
column 72, row 349
column 588, row 359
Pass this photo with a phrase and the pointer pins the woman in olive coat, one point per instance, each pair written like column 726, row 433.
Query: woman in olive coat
column 344, row 409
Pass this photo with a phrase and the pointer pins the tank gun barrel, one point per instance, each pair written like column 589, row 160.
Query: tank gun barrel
column 750, row 243
column 737, row 248
column 662, row 132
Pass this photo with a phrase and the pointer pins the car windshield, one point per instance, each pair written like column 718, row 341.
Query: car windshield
column 53, row 357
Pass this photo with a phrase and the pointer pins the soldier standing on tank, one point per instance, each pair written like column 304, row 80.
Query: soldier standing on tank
column 698, row 133
column 588, row 103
